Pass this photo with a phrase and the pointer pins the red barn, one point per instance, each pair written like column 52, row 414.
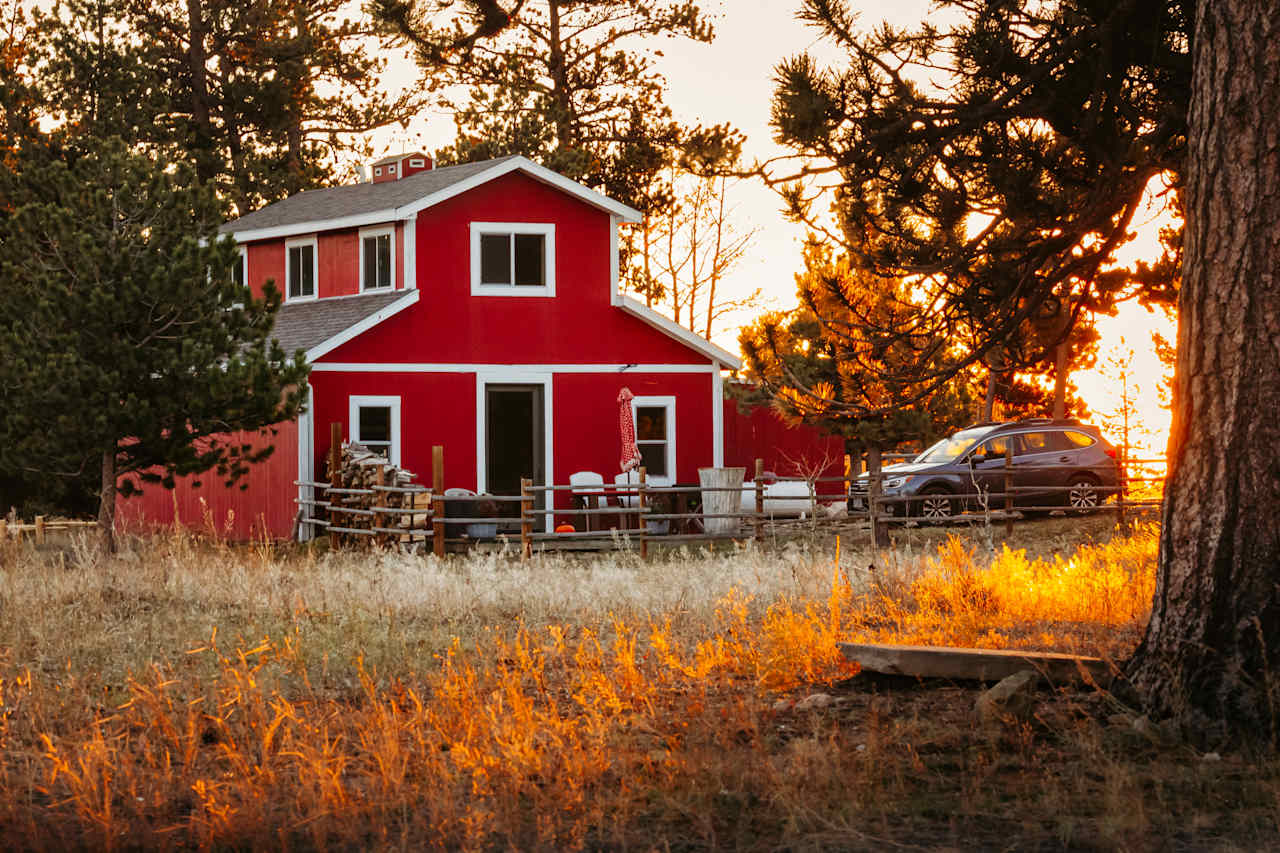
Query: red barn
column 475, row 307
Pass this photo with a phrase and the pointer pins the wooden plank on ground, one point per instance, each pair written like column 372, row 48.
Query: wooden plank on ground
column 970, row 664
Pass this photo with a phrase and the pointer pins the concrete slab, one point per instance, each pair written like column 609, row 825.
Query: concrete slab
column 971, row 664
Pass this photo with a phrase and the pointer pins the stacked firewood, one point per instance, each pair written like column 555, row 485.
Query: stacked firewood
column 361, row 506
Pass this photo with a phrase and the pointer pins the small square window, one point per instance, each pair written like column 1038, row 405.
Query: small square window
column 377, row 170
column 391, row 170
column 513, row 259
column 375, row 424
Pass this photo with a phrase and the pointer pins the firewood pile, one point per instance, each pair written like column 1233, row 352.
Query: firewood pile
column 375, row 501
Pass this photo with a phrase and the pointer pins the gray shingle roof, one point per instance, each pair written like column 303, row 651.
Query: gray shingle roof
column 303, row 325
column 335, row 202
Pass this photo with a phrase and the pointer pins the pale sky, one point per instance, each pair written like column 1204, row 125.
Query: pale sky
column 731, row 80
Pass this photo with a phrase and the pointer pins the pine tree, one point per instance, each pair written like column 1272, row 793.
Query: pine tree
column 126, row 347
column 569, row 84
column 259, row 98
column 1008, row 191
column 828, row 364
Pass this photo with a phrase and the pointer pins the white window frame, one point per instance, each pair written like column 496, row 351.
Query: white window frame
column 669, row 403
column 546, row 229
column 356, row 402
column 391, row 169
column 377, row 170
column 243, row 263
column 417, row 163
column 315, row 267
column 379, row 231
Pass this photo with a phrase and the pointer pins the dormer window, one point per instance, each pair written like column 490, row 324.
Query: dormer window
column 512, row 259
column 377, row 251
column 300, row 268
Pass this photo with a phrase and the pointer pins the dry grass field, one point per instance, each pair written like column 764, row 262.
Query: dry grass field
column 187, row 694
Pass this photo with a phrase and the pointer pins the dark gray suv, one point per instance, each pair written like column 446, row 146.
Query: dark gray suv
column 1055, row 464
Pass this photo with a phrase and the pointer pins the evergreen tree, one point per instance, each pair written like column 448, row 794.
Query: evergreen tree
column 258, row 97
column 569, row 84
column 1007, row 191
column 828, row 364
column 126, row 347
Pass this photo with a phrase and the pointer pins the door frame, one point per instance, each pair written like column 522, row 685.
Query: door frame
column 516, row 376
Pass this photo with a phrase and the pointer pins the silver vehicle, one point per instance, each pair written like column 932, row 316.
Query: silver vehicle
column 1056, row 463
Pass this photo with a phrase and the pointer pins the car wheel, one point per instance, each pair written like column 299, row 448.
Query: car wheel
column 935, row 505
column 1084, row 495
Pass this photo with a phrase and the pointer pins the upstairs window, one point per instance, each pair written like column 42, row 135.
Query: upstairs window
column 377, row 249
column 300, row 263
column 238, row 272
column 655, row 419
column 512, row 259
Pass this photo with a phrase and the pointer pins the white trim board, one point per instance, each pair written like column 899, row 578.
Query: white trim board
column 510, row 229
column 717, row 420
column 391, row 214
column 378, row 231
column 313, row 243
column 516, row 375
column 419, row 367
column 355, row 402
column 680, row 333
column 667, row 402
column 326, row 346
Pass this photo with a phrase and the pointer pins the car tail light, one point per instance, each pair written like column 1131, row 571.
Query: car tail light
column 1111, row 451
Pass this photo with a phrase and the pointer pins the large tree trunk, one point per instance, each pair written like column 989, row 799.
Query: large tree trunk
column 1212, row 647
column 107, row 505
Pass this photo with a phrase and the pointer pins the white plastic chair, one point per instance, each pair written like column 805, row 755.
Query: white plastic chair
column 591, row 493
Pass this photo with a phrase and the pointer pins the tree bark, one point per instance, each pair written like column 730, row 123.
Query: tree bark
column 1060, row 370
column 107, row 504
column 1212, row 649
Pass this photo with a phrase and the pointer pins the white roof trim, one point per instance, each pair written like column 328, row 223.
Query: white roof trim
column 686, row 337
column 540, row 173
column 522, row 164
column 327, row 346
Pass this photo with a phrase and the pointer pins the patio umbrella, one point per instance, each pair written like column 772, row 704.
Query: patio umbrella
column 627, row 426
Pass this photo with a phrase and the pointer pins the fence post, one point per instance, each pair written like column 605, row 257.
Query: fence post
column 39, row 529
column 759, row 519
column 1124, row 485
column 4, row 530
column 437, row 499
column 879, row 530
column 1008, row 489
column 640, row 504
column 526, row 523
column 335, row 476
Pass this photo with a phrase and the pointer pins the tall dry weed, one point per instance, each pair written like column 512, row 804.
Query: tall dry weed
column 188, row 693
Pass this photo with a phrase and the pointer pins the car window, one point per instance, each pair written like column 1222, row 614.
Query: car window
column 996, row 446
column 1076, row 439
column 1037, row 442
column 950, row 449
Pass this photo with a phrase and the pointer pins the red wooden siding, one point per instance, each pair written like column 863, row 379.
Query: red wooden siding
column 440, row 408
column 578, row 325
column 265, row 505
column 787, row 450
column 337, row 263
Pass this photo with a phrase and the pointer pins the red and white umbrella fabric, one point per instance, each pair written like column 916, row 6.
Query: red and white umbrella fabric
column 627, row 426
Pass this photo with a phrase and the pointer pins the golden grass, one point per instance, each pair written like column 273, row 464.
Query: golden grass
column 186, row 694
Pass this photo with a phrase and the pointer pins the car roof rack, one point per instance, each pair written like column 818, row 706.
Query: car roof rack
column 1064, row 421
